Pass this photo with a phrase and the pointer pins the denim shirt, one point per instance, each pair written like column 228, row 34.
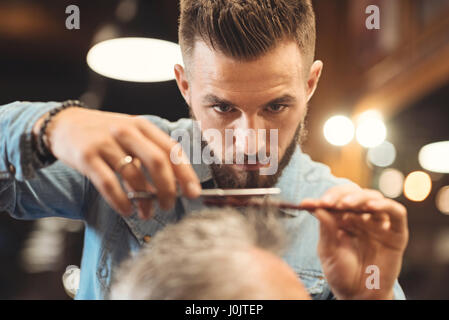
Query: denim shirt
column 28, row 190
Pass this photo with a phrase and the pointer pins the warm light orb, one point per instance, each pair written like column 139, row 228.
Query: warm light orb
column 135, row 59
column 339, row 130
column 435, row 157
column 442, row 200
column 391, row 182
column 417, row 186
column 382, row 155
column 371, row 130
column 441, row 246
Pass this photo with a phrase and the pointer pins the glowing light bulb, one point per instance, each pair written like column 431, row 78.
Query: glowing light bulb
column 417, row 186
column 442, row 200
column 135, row 59
column 435, row 157
column 371, row 130
column 339, row 130
column 382, row 155
column 391, row 182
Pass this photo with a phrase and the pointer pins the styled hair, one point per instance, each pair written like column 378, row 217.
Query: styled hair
column 204, row 256
column 247, row 29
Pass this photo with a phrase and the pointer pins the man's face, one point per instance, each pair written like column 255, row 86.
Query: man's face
column 269, row 93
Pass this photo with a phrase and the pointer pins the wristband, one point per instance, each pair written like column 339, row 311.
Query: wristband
column 43, row 152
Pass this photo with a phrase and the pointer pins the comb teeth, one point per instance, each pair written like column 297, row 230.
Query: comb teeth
column 249, row 202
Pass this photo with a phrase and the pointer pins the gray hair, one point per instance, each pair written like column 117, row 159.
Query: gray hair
column 204, row 256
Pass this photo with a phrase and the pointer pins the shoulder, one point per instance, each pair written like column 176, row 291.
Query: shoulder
column 318, row 173
column 305, row 178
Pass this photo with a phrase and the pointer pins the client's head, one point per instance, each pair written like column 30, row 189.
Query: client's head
column 212, row 254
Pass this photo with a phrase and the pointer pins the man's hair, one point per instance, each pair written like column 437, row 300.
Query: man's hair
column 247, row 29
column 204, row 256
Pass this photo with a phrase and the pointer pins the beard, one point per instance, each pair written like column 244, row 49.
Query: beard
column 227, row 177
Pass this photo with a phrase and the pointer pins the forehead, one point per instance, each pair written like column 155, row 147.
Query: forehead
column 281, row 67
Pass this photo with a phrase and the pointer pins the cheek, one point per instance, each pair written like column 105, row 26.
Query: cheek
column 288, row 129
column 284, row 139
column 213, row 131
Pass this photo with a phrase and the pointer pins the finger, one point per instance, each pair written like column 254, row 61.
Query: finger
column 310, row 204
column 134, row 180
column 357, row 200
column 363, row 225
column 353, row 223
column 155, row 160
column 330, row 198
column 106, row 182
column 145, row 205
column 328, row 231
column 131, row 175
column 186, row 176
column 375, row 222
column 397, row 213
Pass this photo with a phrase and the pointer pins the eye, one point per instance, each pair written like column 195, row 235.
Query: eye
column 223, row 108
column 276, row 108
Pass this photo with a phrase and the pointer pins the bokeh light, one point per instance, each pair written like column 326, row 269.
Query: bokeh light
column 441, row 246
column 435, row 157
column 391, row 183
column 417, row 186
column 135, row 59
column 442, row 200
column 382, row 155
column 339, row 130
column 371, row 130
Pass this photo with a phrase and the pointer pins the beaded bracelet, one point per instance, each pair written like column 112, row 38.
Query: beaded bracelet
column 43, row 152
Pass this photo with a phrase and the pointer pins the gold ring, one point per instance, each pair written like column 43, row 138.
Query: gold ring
column 124, row 162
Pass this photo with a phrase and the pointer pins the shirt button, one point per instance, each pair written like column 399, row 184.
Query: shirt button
column 12, row 169
column 147, row 239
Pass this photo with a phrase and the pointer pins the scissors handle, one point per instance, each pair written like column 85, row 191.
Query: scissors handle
column 141, row 195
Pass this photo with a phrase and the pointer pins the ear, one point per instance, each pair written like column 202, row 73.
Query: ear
column 314, row 77
column 182, row 81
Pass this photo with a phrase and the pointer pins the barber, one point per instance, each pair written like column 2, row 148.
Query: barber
column 265, row 86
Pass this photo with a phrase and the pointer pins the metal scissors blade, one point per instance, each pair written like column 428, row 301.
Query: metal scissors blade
column 145, row 195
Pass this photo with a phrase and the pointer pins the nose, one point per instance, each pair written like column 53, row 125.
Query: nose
column 250, row 135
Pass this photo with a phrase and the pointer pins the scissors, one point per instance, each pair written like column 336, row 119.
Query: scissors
column 213, row 193
column 251, row 197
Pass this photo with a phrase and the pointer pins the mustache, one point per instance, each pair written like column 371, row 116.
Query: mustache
column 260, row 157
column 251, row 159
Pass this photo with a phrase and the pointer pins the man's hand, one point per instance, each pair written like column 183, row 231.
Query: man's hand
column 94, row 143
column 359, row 228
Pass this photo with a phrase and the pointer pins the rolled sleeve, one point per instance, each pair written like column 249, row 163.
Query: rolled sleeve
column 17, row 120
column 27, row 189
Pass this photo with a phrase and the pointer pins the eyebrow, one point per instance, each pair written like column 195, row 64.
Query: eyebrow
column 284, row 99
column 213, row 99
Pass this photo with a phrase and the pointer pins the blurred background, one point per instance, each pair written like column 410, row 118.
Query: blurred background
column 380, row 109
